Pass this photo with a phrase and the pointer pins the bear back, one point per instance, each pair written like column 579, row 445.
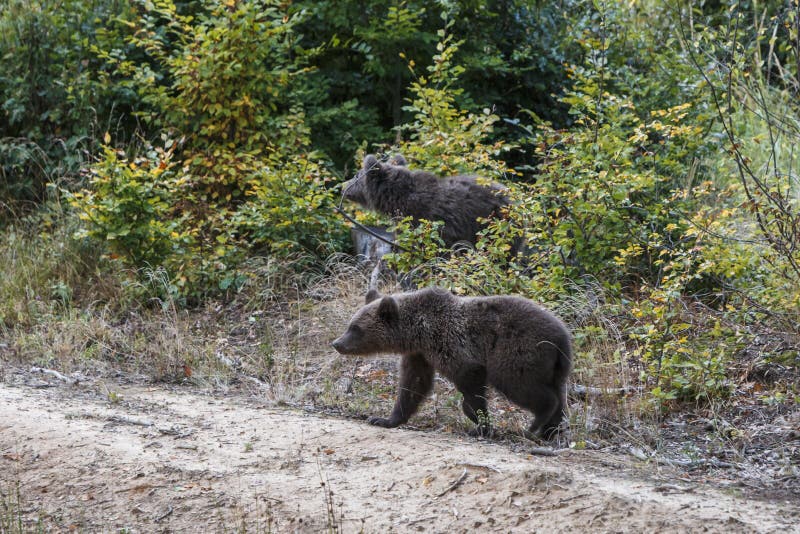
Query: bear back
column 459, row 201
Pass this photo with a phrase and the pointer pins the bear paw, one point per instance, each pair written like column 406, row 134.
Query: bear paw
column 380, row 421
column 482, row 431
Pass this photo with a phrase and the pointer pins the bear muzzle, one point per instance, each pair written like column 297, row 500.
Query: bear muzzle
column 339, row 345
column 347, row 346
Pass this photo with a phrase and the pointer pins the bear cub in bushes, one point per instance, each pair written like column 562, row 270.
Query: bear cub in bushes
column 393, row 189
column 511, row 343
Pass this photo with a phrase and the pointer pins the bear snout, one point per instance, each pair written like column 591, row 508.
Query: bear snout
column 338, row 344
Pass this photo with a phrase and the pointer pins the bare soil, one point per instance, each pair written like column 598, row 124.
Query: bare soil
column 92, row 457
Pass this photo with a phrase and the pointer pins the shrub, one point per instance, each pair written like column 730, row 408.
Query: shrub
column 242, row 178
column 52, row 93
column 615, row 202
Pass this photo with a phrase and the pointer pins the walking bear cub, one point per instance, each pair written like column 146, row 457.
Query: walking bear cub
column 393, row 189
column 521, row 349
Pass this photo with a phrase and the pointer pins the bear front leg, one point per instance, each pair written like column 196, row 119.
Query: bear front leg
column 472, row 385
column 416, row 381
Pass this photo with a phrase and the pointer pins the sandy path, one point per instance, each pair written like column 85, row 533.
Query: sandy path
column 156, row 460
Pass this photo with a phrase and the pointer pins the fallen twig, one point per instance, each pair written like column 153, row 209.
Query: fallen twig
column 543, row 451
column 164, row 515
column 455, row 484
column 584, row 392
column 479, row 466
column 177, row 432
column 54, row 374
column 421, row 519
column 139, row 487
column 673, row 488
column 713, row 462
column 127, row 420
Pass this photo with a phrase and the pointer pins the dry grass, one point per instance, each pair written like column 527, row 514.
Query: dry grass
column 11, row 510
column 601, row 362
column 274, row 340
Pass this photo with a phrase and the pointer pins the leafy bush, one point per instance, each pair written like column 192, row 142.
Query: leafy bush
column 52, row 96
column 129, row 205
column 617, row 201
column 242, row 178
column 441, row 137
column 650, row 151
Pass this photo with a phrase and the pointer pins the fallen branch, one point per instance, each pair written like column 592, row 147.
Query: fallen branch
column 121, row 419
column 368, row 230
column 54, row 374
column 713, row 462
column 584, row 392
column 164, row 515
column 420, row 520
column 480, row 466
column 139, row 488
column 455, row 484
column 543, row 451
column 673, row 488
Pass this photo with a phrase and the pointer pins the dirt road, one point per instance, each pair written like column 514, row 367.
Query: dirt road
column 152, row 460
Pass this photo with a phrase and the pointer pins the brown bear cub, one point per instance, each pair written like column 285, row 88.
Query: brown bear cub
column 393, row 189
column 521, row 349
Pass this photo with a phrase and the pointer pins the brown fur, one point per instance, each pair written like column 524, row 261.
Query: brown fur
column 519, row 348
column 393, row 189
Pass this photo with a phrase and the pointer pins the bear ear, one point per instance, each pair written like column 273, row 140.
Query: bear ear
column 372, row 294
column 371, row 164
column 399, row 160
column 388, row 310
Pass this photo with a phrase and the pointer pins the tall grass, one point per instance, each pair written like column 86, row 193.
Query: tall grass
column 12, row 519
column 759, row 235
column 42, row 269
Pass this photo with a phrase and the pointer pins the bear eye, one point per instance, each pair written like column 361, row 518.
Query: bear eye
column 355, row 330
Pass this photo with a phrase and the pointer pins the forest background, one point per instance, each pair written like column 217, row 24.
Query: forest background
column 169, row 173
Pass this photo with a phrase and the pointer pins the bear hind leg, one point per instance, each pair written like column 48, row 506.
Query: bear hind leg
column 551, row 428
column 472, row 385
column 546, row 407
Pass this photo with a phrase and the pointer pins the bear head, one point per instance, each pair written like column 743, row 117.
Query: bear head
column 355, row 189
column 371, row 329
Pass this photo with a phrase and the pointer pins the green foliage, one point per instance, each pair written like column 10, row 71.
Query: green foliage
column 620, row 198
column 51, row 97
column 43, row 270
column 753, row 91
column 443, row 138
column 242, row 177
column 613, row 201
column 512, row 56
column 448, row 140
column 354, row 96
column 419, row 244
column 11, row 508
column 290, row 209
column 683, row 362
column 129, row 206
column 650, row 152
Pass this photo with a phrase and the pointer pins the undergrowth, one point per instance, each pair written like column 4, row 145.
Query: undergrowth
column 660, row 220
column 13, row 517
